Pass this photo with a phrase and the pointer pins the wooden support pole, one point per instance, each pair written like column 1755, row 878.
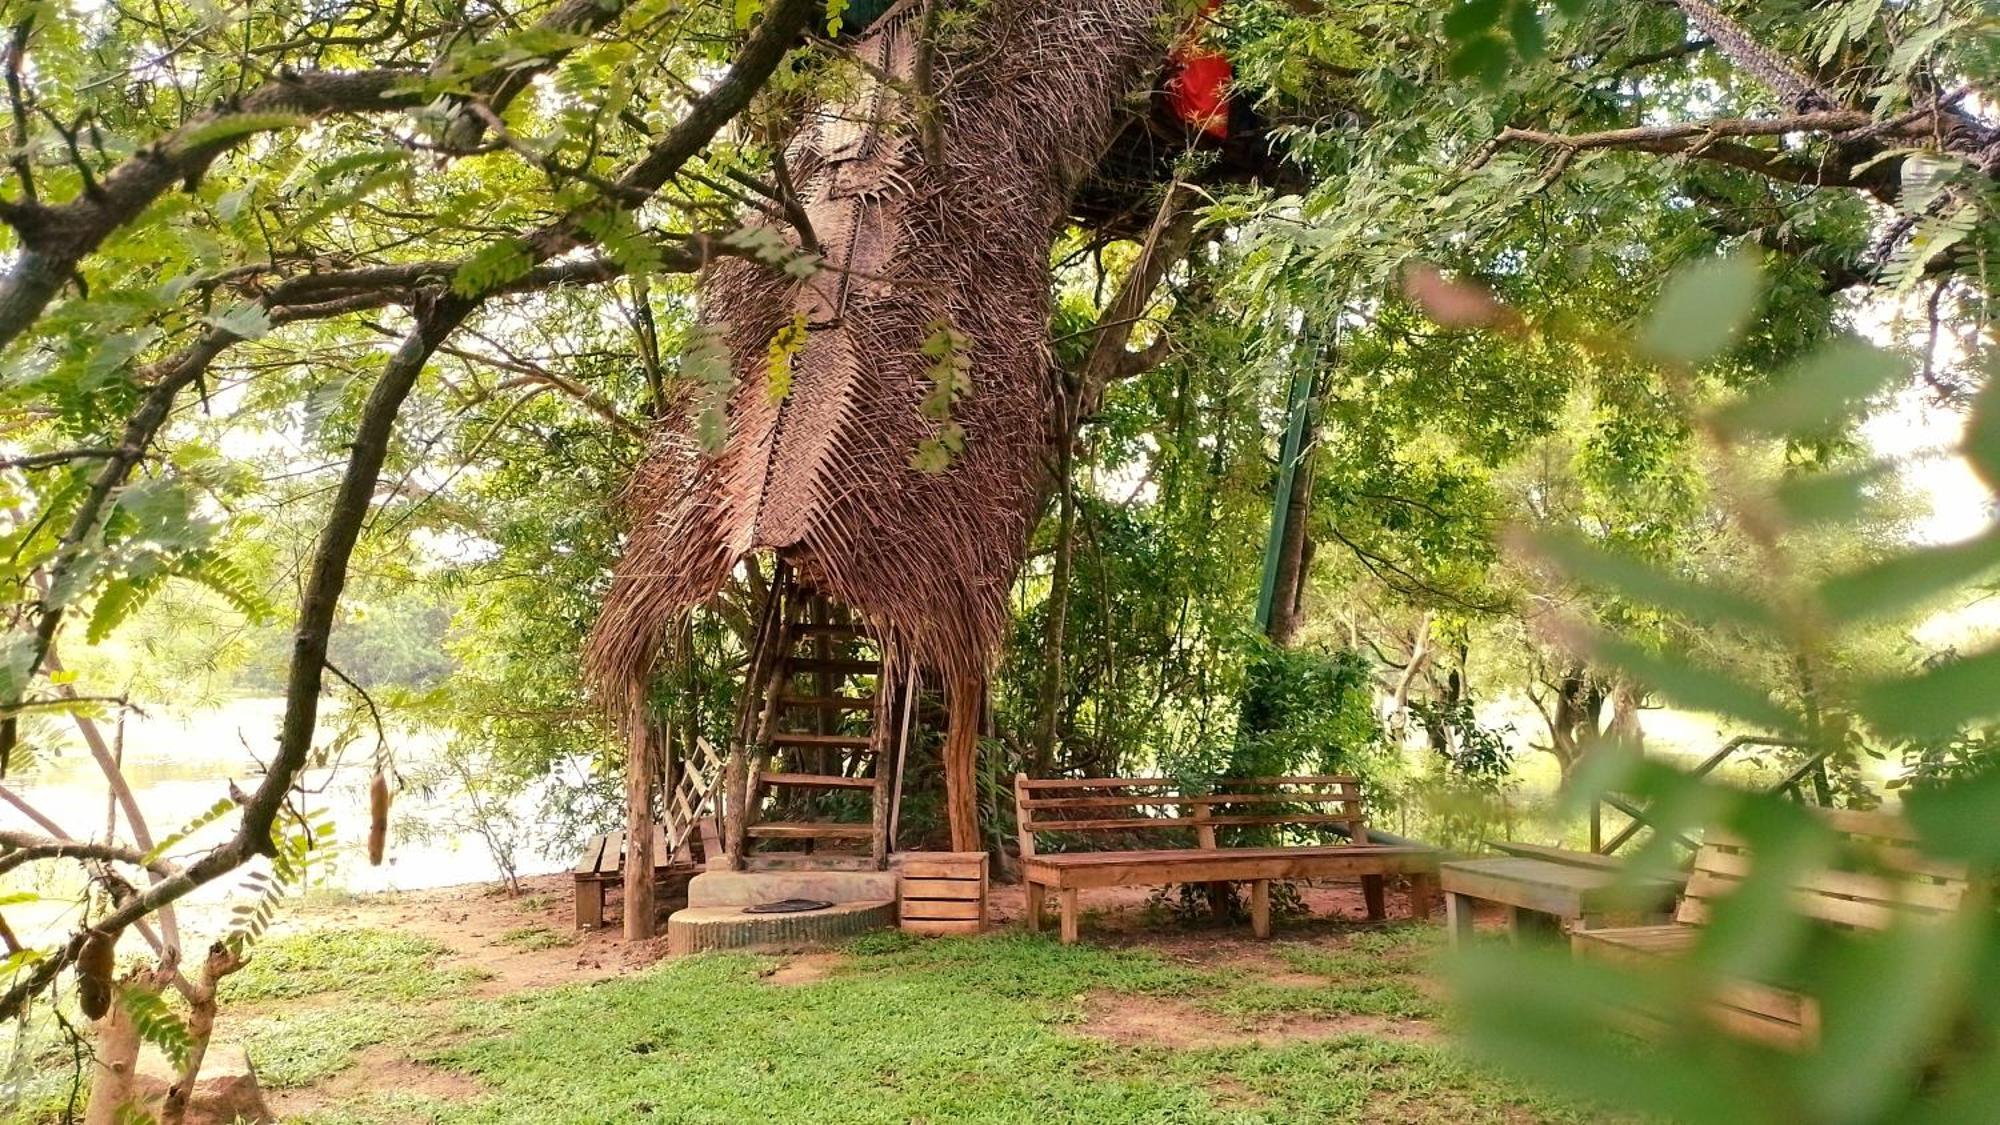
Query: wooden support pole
column 961, row 759
column 639, row 774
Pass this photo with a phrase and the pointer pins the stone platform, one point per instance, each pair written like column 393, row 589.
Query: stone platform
column 715, row 918
column 728, row 927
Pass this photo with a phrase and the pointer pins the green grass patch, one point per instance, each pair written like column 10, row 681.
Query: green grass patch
column 536, row 937
column 359, row 962
column 313, row 1044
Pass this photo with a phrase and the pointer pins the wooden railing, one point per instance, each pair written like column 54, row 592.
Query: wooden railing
column 1814, row 767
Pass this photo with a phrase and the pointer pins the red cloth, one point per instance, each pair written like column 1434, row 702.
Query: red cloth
column 1198, row 90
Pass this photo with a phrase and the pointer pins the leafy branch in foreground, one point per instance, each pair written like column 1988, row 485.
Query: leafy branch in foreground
column 1909, row 1018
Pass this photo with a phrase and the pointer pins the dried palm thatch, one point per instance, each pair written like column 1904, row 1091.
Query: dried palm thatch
column 823, row 474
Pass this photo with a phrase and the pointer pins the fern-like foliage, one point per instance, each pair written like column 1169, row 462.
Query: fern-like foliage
column 157, row 1023
column 213, row 813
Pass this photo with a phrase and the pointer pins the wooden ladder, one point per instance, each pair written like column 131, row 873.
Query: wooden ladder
column 822, row 741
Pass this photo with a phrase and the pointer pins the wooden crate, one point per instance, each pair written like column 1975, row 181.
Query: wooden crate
column 942, row 892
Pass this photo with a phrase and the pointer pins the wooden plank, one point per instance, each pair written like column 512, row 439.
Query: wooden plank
column 928, row 865
column 816, row 780
column 830, row 702
column 806, row 830
column 1202, row 801
column 835, row 667
column 836, row 741
column 1170, row 783
column 942, row 908
column 939, row 927
column 968, row 889
column 593, row 851
column 1558, row 855
column 1359, row 861
column 1126, row 822
column 1884, row 825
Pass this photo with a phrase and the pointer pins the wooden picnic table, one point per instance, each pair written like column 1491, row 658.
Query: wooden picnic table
column 1540, row 894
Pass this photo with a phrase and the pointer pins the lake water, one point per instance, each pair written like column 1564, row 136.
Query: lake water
column 181, row 763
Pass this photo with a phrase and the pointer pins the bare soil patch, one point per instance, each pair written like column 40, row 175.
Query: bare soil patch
column 804, row 968
column 1149, row 1021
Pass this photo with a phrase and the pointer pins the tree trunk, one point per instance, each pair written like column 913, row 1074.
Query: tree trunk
column 201, row 1028
column 639, row 774
column 961, row 759
column 1293, row 550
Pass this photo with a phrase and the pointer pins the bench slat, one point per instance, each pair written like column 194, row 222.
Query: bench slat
column 1109, row 823
column 1210, row 799
column 1170, row 783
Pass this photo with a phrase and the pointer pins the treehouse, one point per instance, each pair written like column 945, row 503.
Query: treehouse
column 889, row 427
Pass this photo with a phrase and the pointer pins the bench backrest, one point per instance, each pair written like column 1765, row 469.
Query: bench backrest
column 1128, row 804
column 1902, row 881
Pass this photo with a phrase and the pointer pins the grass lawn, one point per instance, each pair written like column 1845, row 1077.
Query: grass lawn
column 366, row 1026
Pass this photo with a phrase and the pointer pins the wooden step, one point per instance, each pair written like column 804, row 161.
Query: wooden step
column 816, row 780
column 838, row 667
column 809, row 830
column 829, row 702
column 806, row 629
column 821, row 860
column 841, row 741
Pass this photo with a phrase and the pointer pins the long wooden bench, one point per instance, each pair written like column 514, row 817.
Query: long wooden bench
column 1144, row 807
column 1901, row 883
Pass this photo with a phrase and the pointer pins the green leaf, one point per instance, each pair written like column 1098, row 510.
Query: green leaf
column 251, row 322
column 1470, row 18
column 1485, row 57
column 1524, row 22
column 1910, row 579
column 1982, row 428
column 1814, row 498
column 1704, row 308
column 1956, row 820
column 233, row 127
column 1936, row 702
column 1639, row 582
column 1829, row 386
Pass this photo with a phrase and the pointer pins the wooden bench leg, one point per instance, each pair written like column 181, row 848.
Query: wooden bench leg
column 589, row 904
column 1038, row 901
column 1066, row 902
column 1260, row 907
column 1423, row 896
column 1371, row 891
column 1532, row 926
column 1457, row 918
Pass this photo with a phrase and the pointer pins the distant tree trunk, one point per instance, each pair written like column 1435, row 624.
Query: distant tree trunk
column 1625, row 725
column 1294, row 550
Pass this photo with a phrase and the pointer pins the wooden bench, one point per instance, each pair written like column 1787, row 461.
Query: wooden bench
column 1902, row 884
column 1148, row 805
column 602, row 866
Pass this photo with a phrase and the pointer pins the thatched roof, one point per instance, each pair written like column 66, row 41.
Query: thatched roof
column 823, row 476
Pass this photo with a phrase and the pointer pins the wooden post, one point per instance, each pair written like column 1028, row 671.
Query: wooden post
column 961, row 760
column 1066, row 899
column 1457, row 918
column 734, row 794
column 639, row 773
column 1038, row 904
column 1260, row 907
column 880, row 745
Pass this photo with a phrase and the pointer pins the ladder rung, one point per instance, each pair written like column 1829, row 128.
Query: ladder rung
column 817, row 780
column 828, row 630
column 843, row 741
column 841, row 667
column 830, row 702
column 804, row 830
